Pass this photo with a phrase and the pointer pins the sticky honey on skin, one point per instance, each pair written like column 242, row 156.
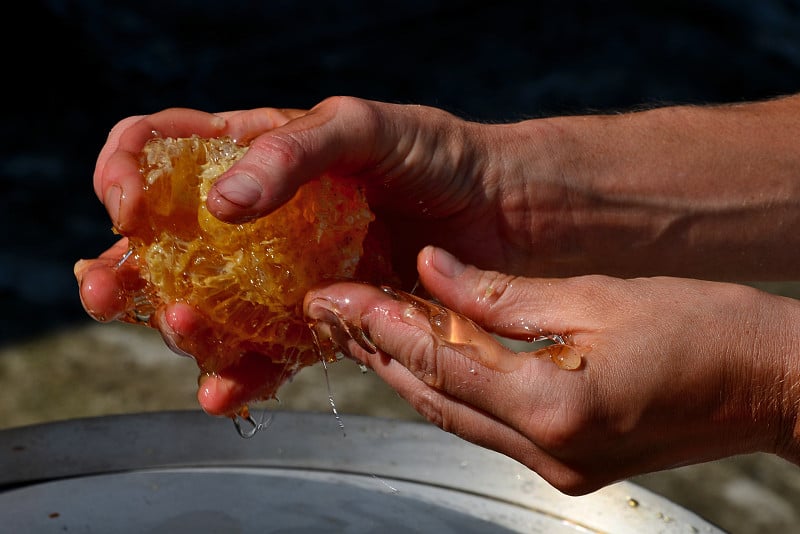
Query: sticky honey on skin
column 247, row 281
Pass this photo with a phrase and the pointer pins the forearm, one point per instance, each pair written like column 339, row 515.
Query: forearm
column 692, row 191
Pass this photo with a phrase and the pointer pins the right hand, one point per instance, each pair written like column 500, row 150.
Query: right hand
column 674, row 371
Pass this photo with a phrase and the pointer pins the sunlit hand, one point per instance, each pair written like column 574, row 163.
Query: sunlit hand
column 409, row 158
column 673, row 371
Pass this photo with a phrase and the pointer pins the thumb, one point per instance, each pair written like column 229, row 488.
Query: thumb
column 510, row 306
column 340, row 135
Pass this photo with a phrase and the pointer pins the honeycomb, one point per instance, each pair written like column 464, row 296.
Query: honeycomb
column 246, row 280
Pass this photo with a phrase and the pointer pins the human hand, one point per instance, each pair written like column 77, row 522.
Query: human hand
column 430, row 176
column 674, row 371
column 119, row 185
column 106, row 284
column 549, row 197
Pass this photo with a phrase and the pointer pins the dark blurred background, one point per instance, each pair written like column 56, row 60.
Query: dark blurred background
column 75, row 67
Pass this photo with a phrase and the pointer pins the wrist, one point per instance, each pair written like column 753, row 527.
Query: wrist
column 764, row 379
column 788, row 442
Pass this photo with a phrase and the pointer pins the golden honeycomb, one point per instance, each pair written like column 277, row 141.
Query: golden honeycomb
column 246, row 280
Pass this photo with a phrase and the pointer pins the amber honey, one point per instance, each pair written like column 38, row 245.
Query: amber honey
column 247, row 281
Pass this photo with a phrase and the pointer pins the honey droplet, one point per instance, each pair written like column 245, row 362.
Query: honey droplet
column 459, row 333
column 564, row 356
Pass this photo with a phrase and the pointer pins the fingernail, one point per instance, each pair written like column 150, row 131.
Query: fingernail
column 446, row 263
column 218, row 122
column 79, row 268
column 240, row 189
column 112, row 200
column 166, row 325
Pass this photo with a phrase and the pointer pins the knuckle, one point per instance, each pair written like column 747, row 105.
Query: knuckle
column 434, row 407
column 428, row 404
column 357, row 109
column 495, row 292
column 595, row 291
column 275, row 148
column 423, row 363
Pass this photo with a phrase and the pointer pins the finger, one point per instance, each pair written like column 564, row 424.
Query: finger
column 480, row 427
column 253, row 376
column 130, row 135
column 462, row 394
column 180, row 122
column 113, row 254
column 408, row 328
column 445, row 351
column 341, row 312
column 453, row 415
column 100, row 292
column 118, row 182
column 123, row 193
column 183, row 329
column 109, row 148
column 339, row 135
column 105, row 283
column 244, row 125
column 510, row 306
column 226, row 391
